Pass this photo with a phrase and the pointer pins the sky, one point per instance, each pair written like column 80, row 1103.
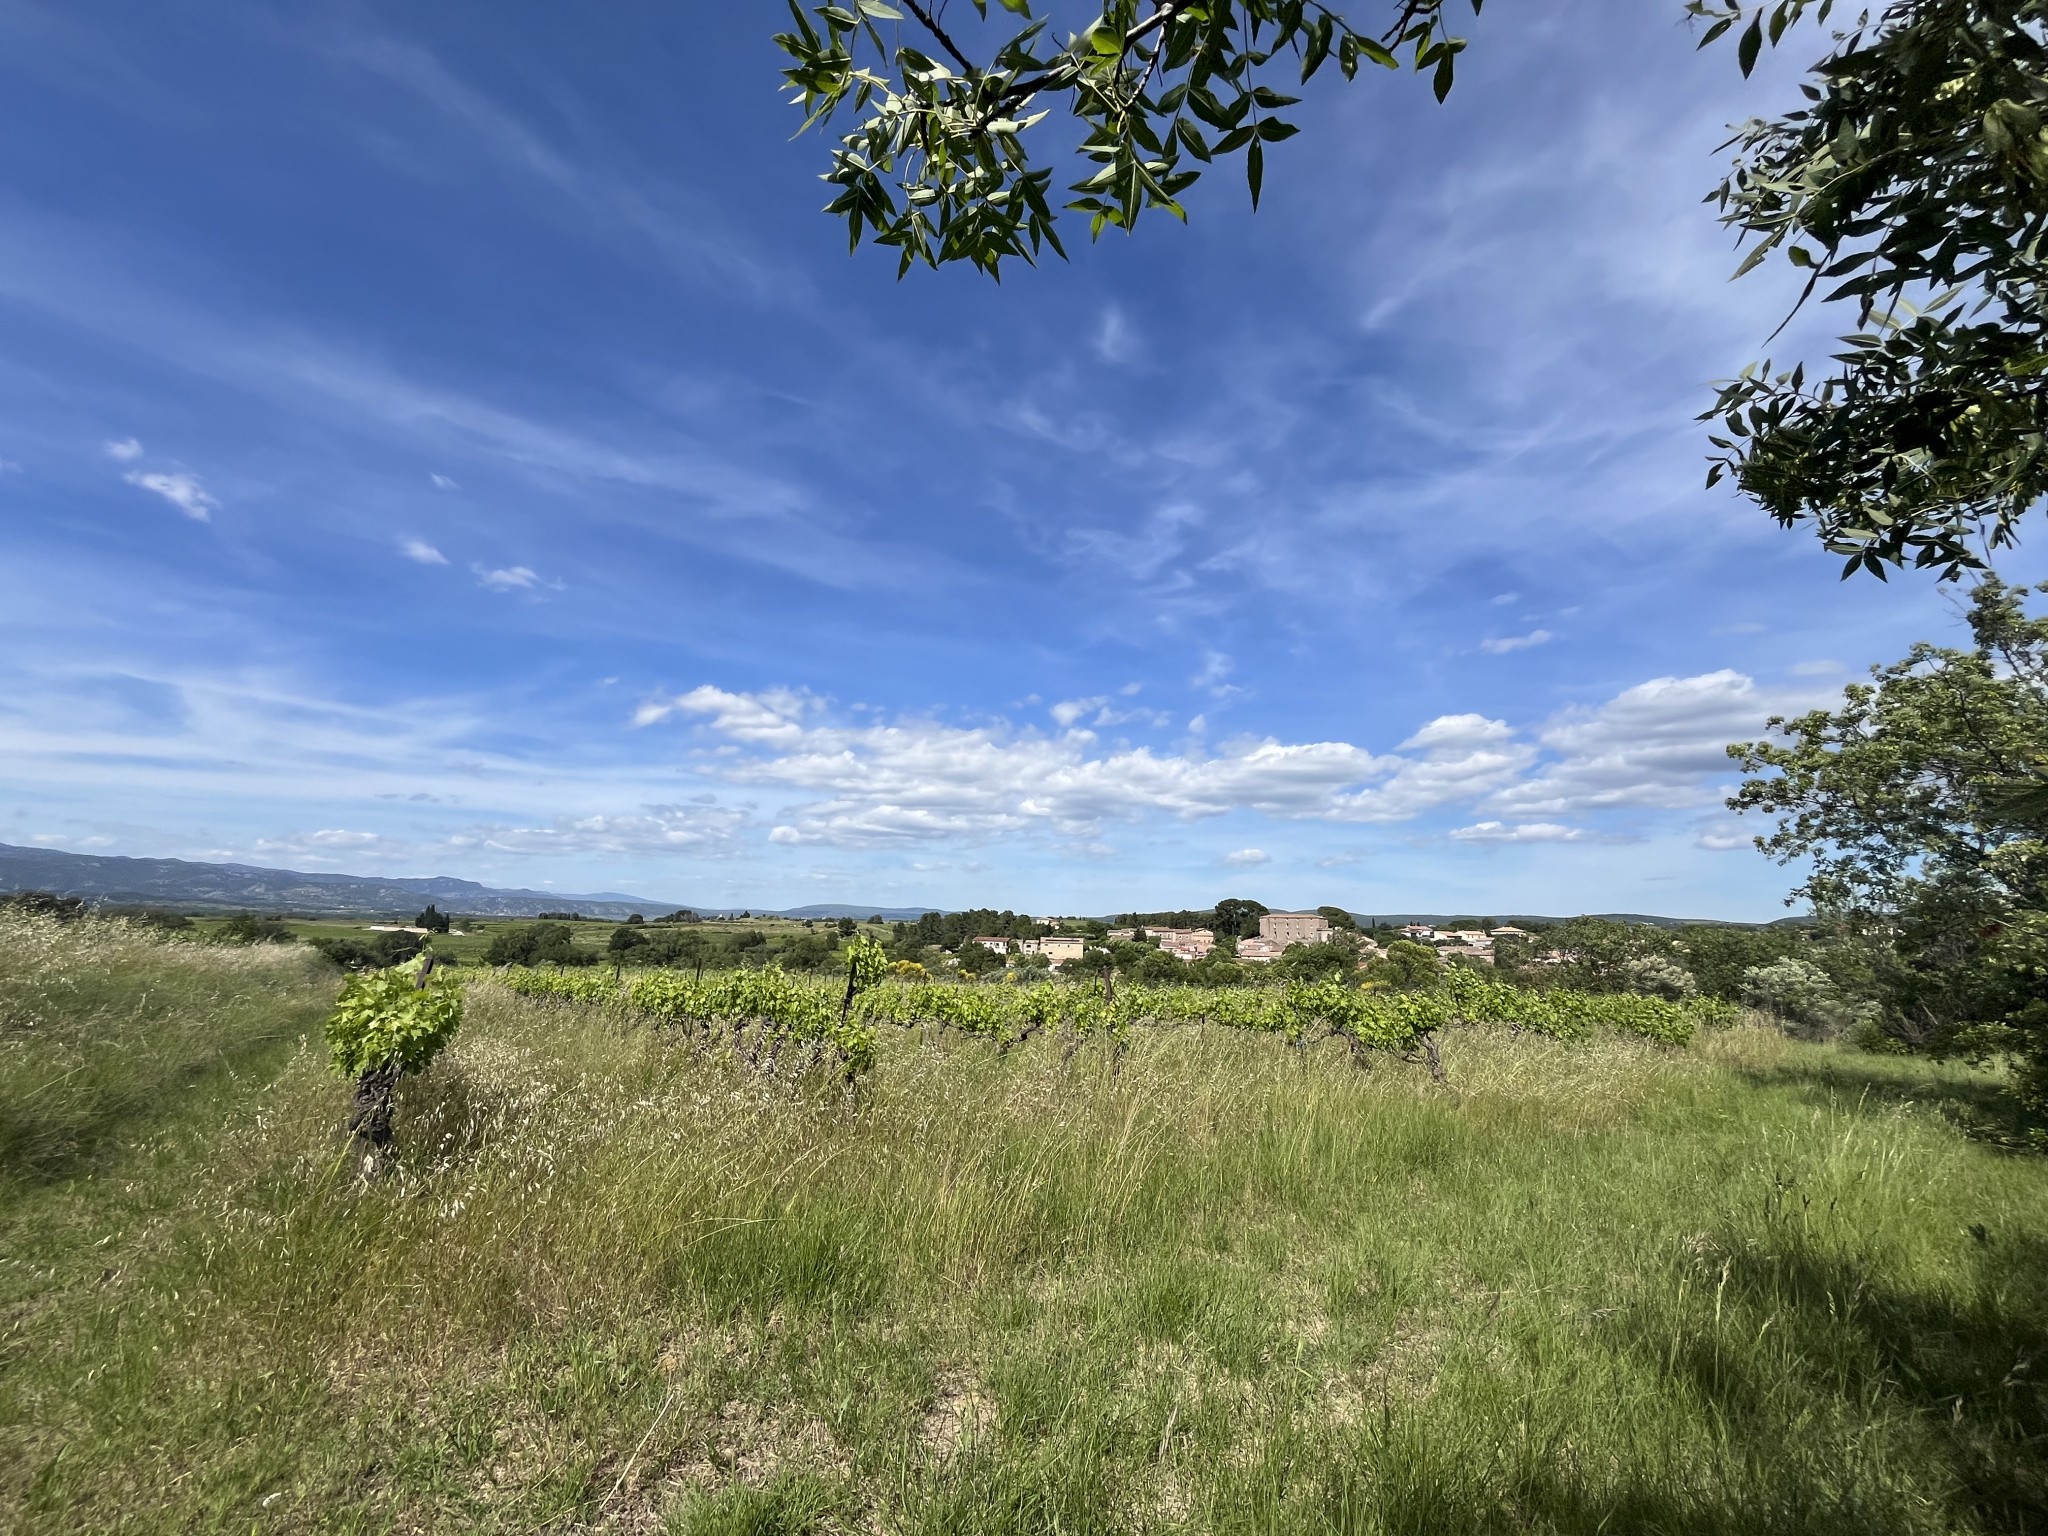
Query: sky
column 451, row 440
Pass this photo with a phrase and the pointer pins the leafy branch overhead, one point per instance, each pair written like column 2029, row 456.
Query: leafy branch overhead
column 938, row 164
column 1913, row 183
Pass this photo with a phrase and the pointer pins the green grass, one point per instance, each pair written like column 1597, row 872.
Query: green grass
column 1753, row 1287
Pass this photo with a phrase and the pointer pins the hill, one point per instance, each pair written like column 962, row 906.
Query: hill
column 190, row 885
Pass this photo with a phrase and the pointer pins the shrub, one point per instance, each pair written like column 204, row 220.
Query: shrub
column 373, row 954
column 536, row 944
column 247, row 928
column 1801, row 993
column 1659, row 976
column 44, row 904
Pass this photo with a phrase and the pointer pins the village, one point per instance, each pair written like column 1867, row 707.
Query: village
column 1278, row 932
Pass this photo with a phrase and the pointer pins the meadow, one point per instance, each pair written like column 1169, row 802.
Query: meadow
column 622, row 1281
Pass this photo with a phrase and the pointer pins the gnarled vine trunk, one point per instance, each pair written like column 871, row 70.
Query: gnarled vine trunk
column 369, row 1118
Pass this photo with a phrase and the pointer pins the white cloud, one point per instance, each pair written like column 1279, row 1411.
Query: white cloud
column 1521, row 832
column 443, row 483
column 1067, row 712
column 694, row 829
column 516, row 578
column 1213, row 678
column 1659, row 744
column 181, row 490
column 422, row 551
column 124, row 449
column 1245, row 858
column 325, row 840
column 1459, row 732
column 1116, row 340
column 919, row 780
column 1724, row 837
column 1501, row 647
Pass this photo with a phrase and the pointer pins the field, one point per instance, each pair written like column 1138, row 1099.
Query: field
column 472, row 936
column 622, row 1282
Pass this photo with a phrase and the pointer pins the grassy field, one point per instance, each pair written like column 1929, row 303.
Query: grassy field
column 472, row 936
column 1755, row 1286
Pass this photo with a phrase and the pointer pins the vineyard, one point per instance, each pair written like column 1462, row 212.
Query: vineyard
column 766, row 1012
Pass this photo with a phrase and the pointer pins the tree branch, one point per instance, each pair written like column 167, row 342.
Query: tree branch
column 932, row 26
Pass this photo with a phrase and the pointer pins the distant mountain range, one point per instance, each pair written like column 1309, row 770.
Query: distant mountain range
column 189, row 886
column 194, row 887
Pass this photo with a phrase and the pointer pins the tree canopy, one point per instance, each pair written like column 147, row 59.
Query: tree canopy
column 1911, row 804
column 1911, row 180
column 938, row 163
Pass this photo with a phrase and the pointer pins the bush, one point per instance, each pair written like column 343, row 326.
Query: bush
column 1659, row 976
column 379, row 952
column 44, row 904
column 537, row 944
column 1801, row 993
column 250, row 929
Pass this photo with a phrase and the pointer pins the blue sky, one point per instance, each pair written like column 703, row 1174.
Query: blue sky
column 450, row 440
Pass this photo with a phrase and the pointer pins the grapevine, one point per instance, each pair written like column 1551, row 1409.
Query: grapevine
column 763, row 1012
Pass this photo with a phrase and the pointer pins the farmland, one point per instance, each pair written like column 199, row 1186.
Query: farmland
column 632, row 1273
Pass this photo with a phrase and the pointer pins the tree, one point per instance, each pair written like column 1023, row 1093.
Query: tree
column 978, row 958
column 433, row 920
column 1339, row 919
column 1922, row 857
column 937, row 165
column 379, row 952
column 1914, row 180
column 247, row 928
column 1329, row 961
column 1237, row 918
column 1406, row 967
column 625, row 940
column 536, row 944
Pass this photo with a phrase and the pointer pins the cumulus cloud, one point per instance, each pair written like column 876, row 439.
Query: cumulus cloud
column 1520, row 832
column 1245, row 858
column 422, row 551
column 1501, row 646
column 916, row 780
column 181, row 490
column 1724, row 837
column 1660, row 744
column 125, row 450
column 1456, row 733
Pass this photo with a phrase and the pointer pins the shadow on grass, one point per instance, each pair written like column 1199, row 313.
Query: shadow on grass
column 1967, row 1365
column 1982, row 1108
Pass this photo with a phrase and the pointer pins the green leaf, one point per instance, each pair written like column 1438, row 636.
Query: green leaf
column 1255, row 170
column 1751, row 44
